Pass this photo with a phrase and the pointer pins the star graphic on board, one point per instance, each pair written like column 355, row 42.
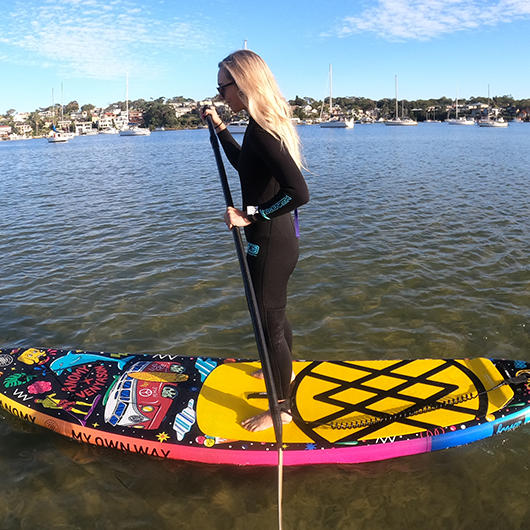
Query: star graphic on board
column 162, row 437
column 95, row 424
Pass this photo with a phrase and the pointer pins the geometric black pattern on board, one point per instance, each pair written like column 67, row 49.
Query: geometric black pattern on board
column 398, row 392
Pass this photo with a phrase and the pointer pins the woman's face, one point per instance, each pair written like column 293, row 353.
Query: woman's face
column 229, row 91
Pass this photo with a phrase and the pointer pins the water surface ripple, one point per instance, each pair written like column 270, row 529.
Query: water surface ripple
column 414, row 244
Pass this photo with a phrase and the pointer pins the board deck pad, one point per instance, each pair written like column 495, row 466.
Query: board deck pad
column 191, row 408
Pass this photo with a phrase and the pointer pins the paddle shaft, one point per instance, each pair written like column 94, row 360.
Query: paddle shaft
column 250, row 295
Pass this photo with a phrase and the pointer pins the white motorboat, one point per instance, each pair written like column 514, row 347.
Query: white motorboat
column 109, row 130
column 492, row 122
column 237, row 127
column 401, row 122
column 339, row 123
column 460, row 121
column 57, row 137
column 335, row 123
column 397, row 121
column 134, row 130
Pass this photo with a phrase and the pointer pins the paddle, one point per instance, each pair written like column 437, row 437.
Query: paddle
column 256, row 322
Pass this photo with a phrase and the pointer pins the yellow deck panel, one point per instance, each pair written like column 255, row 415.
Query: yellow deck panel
column 336, row 388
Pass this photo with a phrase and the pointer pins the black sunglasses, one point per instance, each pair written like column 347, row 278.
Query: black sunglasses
column 221, row 88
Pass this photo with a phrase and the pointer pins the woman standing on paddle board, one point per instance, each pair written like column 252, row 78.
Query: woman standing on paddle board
column 272, row 185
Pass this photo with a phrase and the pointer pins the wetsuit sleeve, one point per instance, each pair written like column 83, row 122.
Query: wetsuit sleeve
column 293, row 191
column 230, row 147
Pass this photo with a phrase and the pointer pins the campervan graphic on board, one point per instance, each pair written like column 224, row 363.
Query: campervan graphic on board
column 143, row 395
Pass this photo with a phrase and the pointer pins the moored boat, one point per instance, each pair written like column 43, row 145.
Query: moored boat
column 488, row 120
column 401, row 122
column 338, row 122
column 397, row 121
column 460, row 121
column 57, row 137
column 237, row 127
column 133, row 129
column 492, row 122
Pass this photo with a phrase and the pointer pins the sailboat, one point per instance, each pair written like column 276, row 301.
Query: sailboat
column 55, row 136
column 457, row 120
column 335, row 123
column 397, row 120
column 488, row 121
column 132, row 129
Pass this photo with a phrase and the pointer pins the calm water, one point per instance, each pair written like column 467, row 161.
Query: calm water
column 414, row 244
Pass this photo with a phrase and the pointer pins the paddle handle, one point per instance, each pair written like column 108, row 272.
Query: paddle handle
column 250, row 294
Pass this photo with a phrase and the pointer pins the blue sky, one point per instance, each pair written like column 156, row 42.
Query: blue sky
column 172, row 47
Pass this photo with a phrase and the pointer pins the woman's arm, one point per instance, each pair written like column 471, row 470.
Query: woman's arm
column 230, row 146
column 293, row 191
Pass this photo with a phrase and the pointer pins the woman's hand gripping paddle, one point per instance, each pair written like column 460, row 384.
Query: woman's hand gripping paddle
column 256, row 322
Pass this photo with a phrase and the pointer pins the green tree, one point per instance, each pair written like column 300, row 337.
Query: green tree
column 298, row 101
column 139, row 104
column 159, row 114
column 88, row 108
column 36, row 122
column 298, row 112
column 73, row 106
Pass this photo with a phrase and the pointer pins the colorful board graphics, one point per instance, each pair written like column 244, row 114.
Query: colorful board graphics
column 191, row 408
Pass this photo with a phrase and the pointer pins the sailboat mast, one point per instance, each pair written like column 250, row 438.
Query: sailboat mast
column 397, row 115
column 330, row 93
column 457, row 101
column 127, row 98
column 62, row 107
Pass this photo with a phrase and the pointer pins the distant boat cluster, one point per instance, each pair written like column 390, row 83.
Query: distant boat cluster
column 127, row 124
column 131, row 129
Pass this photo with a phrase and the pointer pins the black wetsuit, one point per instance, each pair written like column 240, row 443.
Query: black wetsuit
column 271, row 181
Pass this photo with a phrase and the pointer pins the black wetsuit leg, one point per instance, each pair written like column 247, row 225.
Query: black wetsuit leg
column 272, row 257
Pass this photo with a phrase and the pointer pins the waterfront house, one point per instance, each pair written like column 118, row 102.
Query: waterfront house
column 83, row 127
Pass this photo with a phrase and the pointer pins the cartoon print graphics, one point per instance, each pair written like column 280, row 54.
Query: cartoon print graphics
column 72, row 407
column 141, row 397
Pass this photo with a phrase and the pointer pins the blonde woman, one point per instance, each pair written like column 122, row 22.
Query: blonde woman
column 272, row 185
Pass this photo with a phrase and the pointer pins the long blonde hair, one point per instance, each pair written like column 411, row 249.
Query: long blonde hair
column 259, row 92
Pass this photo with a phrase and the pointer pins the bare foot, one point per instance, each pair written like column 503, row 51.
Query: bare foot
column 263, row 421
column 258, row 374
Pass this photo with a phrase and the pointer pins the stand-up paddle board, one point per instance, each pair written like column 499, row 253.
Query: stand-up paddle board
column 190, row 408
